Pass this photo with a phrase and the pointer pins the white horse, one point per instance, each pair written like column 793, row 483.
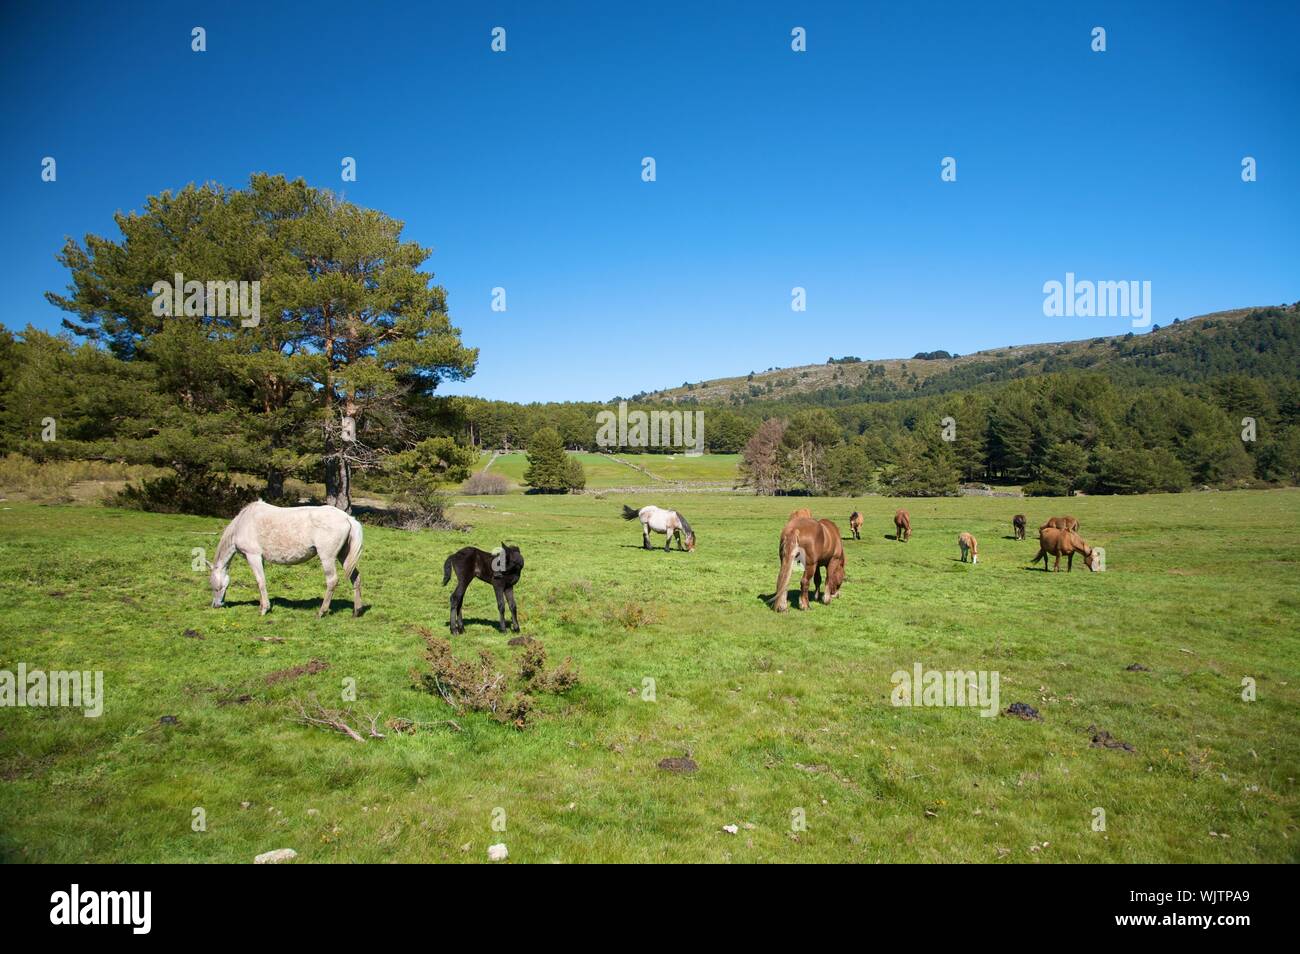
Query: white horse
column 290, row 535
column 668, row 522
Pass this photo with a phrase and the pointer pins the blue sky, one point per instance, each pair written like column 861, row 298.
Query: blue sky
column 775, row 169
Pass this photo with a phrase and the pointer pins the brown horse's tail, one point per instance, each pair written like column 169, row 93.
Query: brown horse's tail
column 790, row 549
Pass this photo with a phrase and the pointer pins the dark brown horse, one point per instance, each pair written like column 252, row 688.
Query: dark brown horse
column 1018, row 526
column 1061, row 523
column 1065, row 543
column 902, row 526
column 814, row 544
column 501, row 569
column 855, row 525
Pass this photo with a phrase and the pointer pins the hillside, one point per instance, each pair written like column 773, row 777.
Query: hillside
column 1246, row 340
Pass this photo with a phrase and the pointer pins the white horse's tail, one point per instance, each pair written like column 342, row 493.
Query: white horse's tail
column 629, row 513
column 354, row 547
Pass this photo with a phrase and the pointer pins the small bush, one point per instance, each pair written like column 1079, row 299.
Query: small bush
column 204, row 495
column 480, row 686
column 633, row 615
column 485, row 484
column 418, row 507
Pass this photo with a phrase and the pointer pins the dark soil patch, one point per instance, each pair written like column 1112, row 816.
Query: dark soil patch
column 193, row 634
column 679, row 765
column 1022, row 710
column 1101, row 739
column 1137, row 667
column 306, row 669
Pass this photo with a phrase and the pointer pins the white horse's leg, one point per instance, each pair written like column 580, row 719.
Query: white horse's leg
column 356, row 591
column 255, row 564
column 331, row 581
column 645, row 534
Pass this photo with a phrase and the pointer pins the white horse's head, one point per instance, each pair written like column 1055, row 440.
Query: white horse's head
column 219, row 580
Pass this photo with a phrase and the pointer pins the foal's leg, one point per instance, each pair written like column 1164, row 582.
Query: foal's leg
column 255, row 564
column 457, row 600
column 514, row 613
column 501, row 607
column 331, row 581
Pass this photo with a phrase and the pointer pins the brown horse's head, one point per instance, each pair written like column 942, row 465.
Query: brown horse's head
column 835, row 575
column 1092, row 558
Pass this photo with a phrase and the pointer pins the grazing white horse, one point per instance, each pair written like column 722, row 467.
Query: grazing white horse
column 289, row 535
column 668, row 522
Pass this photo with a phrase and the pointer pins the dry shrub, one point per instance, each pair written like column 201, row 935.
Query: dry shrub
column 532, row 670
column 480, row 687
column 476, row 686
column 633, row 615
column 484, row 484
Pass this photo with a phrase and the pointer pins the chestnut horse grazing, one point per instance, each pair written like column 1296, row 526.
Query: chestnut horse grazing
column 812, row 544
column 968, row 545
column 1061, row 523
column 1018, row 526
column 855, row 525
column 902, row 526
column 1065, row 543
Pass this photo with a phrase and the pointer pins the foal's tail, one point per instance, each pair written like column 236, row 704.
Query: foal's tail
column 629, row 513
column 354, row 548
column 446, row 571
column 790, row 551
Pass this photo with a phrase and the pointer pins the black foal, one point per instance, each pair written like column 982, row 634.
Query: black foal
column 501, row 569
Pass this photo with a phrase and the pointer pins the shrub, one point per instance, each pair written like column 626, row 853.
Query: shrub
column 485, row 484
column 201, row 494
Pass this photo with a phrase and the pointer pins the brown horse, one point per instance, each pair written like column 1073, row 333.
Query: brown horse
column 969, row 546
column 855, row 525
column 1018, row 526
column 1065, row 543
column 813, row 544
column 902, row 526
column 1061, row 523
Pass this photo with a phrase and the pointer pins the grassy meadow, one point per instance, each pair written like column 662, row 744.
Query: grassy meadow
column 605, row 471
column 782, row 713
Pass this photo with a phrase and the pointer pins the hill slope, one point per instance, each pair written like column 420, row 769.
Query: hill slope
column 1262, row 342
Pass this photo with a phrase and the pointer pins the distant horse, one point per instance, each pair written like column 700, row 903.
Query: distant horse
column 855, row 525
column 902, row 526
column 813, row 544
column 969, row 546
column 1065, row 543
column 289, row 535
column 1018, row 526
column 1061, row 523
column 668, row 522
column 501, row 569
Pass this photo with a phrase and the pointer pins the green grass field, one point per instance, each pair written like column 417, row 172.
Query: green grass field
column 782, row 713
column 604, row 472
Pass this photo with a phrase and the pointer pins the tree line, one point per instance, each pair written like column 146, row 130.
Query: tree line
column 336, row 380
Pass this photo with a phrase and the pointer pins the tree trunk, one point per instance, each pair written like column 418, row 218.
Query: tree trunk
column 338, row 466
column 274, row 484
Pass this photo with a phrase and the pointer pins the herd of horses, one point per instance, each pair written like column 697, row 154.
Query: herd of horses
column 263, row 533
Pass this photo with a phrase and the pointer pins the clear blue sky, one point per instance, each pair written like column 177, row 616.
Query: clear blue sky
column 775, row 169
